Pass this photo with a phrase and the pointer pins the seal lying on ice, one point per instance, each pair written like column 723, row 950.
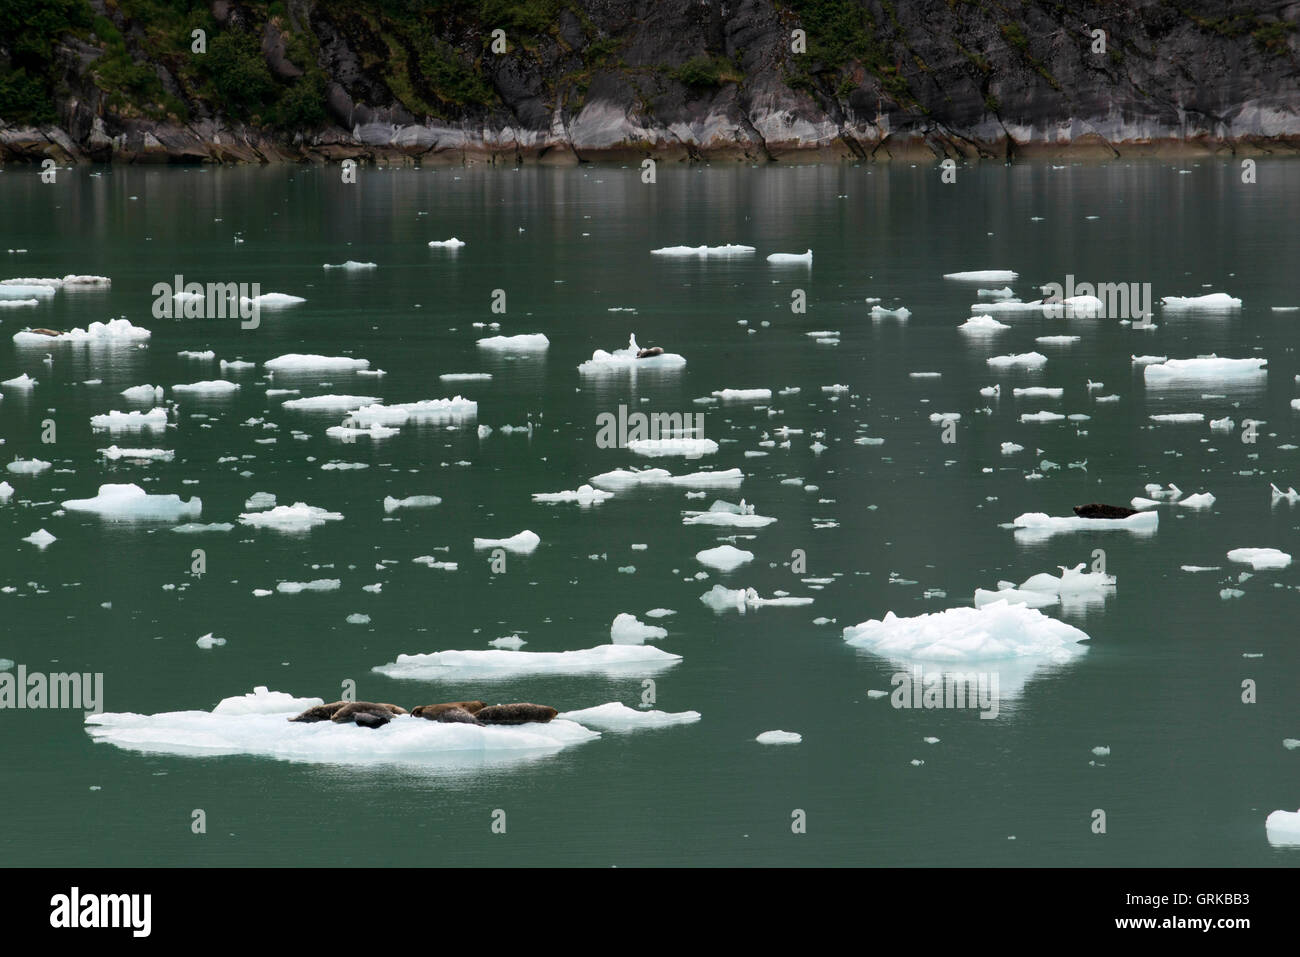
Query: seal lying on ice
column 650, row 353
column 518, row 713
column 434, row 712
column 365, row 713
column 1097, row 510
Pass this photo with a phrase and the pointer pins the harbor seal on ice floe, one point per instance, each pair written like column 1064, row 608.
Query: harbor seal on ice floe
column 1097, row 510
column 517, row 713
column 650, row 353
column 434, row 711
column 365, row 713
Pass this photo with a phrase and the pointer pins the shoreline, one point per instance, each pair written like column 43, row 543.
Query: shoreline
column 144, row 143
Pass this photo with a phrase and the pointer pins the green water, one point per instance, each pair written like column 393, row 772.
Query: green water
column 1192, row 771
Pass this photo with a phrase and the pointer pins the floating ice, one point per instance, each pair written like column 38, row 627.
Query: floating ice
column 195, row 528
column 118, row 421
column 617, row 716
column 624, row 360
column 982, row 324
column 1178, row 418
column 779, row 737
column 143, row 393
column 629, row 630
column 983, row 275
column 372, row 431
column 627, row 478
column 41, row 539
column 743, row 395
column 902, row 312
column 521, row 544
column 994, row 632
column 207, row 642
column 330, row 403
column 113, row 453
column 1039, row 392
column 513, row 642
column 789, row 259
column 1204, row 369
column 317, row 584
column 1057, row 340
column 722, row 599
column 1282, row 828
column 271, row 300
column 351, row 265
column 1032, row 526
column 1025, row 360
column 703, row 252
column 426, row 411
column 27, row 466
column 113, row 330
column 499, row 664
column 584, row 495
column 452, row 243
column 300, row 362
column 1215, row 301
column 268, row 733
column 6, row 492
column 208, row 387
column 659, row 448
column 1073, row 587
column 290, row 518
column 1260, row 558
column 724, row 558
column 23, row 381
column 392, row 504
column 129, row 502
column 532, row 342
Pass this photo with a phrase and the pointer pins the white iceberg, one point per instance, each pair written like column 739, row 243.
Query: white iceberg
column 129, row 502
column 532, row 342
column 616, row 716
column 308, row 362
column 290, row 518
column 724, row 558
column 629, row 478
column 496, row 664
column 1260, row 558
column 629, row 630
column 703, row 252
column 523, row 543
column 584, row 495
column 983, row 275
column 659, row 448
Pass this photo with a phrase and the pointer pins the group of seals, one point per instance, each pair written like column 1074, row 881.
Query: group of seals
column 650, row 353
column 367, row 714
column 1098, row 510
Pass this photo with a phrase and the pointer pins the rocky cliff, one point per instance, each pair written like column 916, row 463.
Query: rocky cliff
column 565, row 81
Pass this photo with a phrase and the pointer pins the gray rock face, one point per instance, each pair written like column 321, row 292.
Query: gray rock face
column 722, row 80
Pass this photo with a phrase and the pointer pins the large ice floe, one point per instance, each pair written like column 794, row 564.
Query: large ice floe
column 1024, row 360
column 630, row 478
column 499, row 664
column 1015, row 639
column 660, row 448
column 983, row 275
column 703, row 252
column 1204, row 369
column 1282, row 828
column 330, row 403
column 1074, row 589
column 982, row 325
column 113, row 331
column 1260, row 558
column 298, row 517
column 1034, row 526
column 531, row 342
column 271, row 300
column 115, row 421
column 258, row 725
column 724, row 558
column 295, row 362
column 791, row 259
column 625, row 360
column 129, row 502
column 1210, row 302
column 423, row 412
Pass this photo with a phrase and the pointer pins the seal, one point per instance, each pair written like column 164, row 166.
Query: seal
column 454, row 716
column 518, row 713
column 432, row 711
column 46, row 332
column 1098, row 510
column 320, row 712
column 650, row 353
column 367, row 714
